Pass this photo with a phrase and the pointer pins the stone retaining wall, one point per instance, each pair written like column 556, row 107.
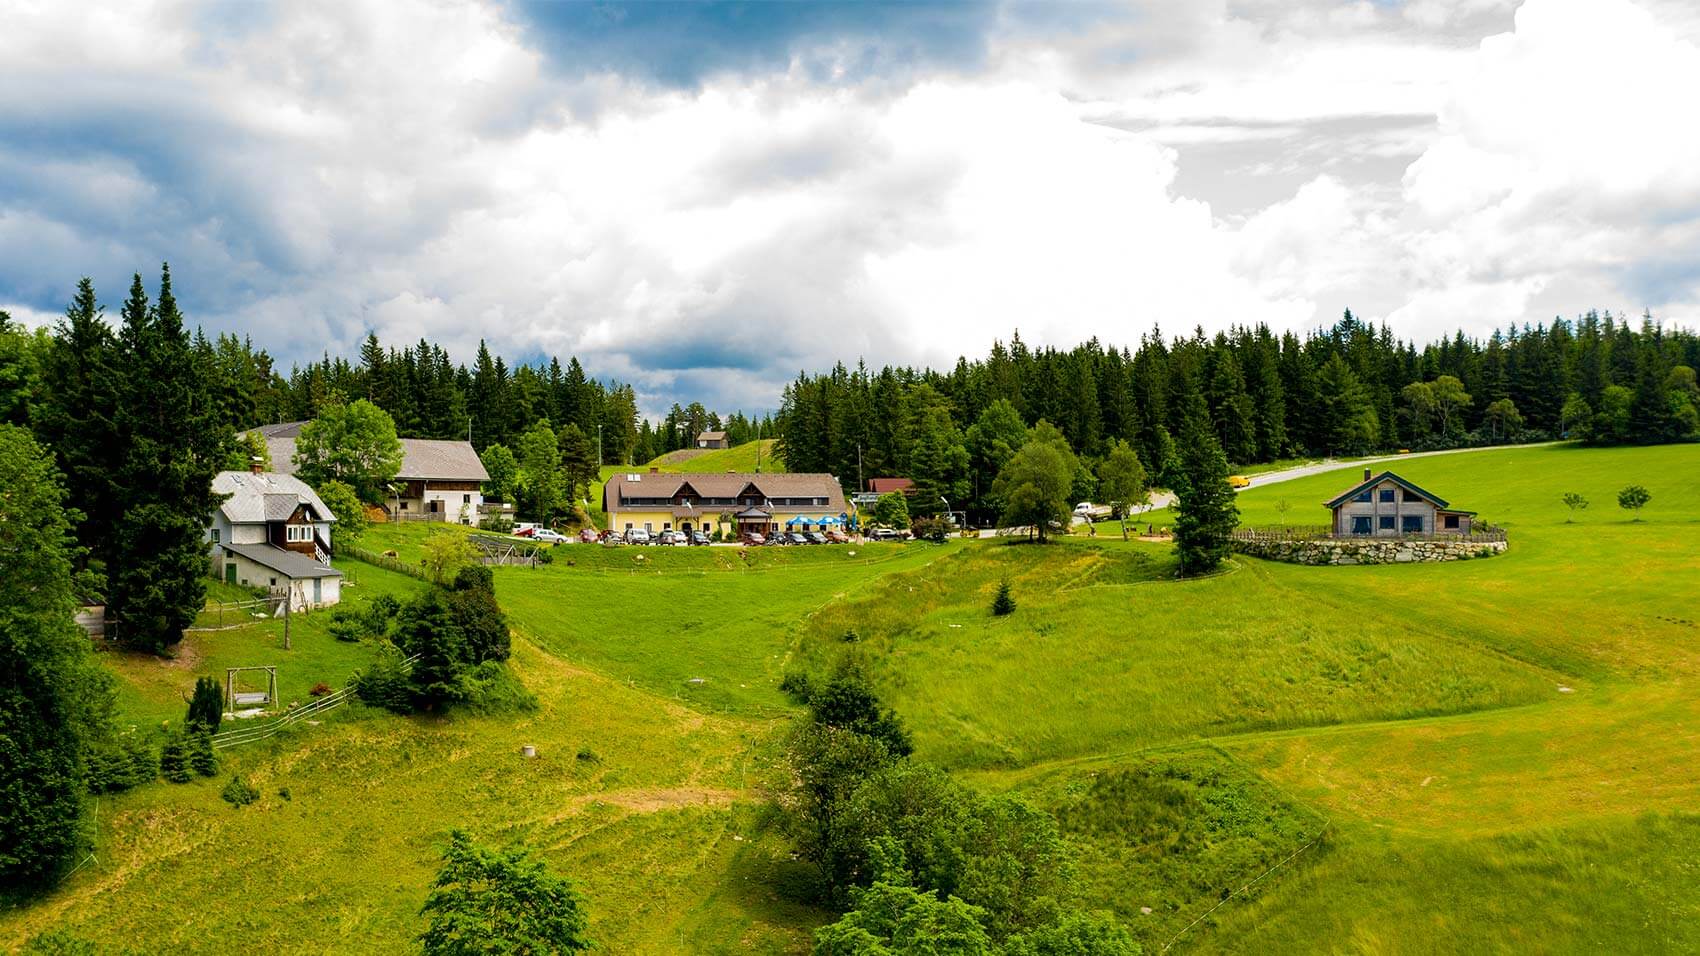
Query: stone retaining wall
column 1368, row 550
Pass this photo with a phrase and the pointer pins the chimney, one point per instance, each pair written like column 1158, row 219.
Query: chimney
column 256, row 464
column 1368, row 474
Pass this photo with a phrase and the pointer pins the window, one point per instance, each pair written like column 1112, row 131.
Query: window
column 1360, row 524
column 404, row 506
column 1387, row 522
column 1411, row 496
column 298, row 532
column 1362, row 496
column 628, row 526
column 215, row 536
column 649, row 526
column 1411, row 524
column 1452, row 522
column 274, row 582
column 466, row 499
column 1387, row 496
column 666, row 526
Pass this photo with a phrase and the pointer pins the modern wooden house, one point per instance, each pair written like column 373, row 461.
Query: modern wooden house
column 728, row 501
column 273, row 532
column 712, row 440
column 438, row 480
column 1386, row 506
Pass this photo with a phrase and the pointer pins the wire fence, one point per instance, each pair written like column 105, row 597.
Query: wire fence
column 226, row 739
column 229, row 615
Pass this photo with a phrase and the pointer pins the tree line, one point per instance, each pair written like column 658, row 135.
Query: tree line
column 1349, row 389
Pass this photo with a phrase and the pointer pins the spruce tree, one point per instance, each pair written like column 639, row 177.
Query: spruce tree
column 174, row 759
column 206, row 705
column 76, row 416
column 173, row 444
column 201, row 756
column 1206, row 513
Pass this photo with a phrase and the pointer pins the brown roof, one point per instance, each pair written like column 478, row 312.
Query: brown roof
column 436, row 460
column 712, row 436
column 883, row 486
column 422, row 459
column 725, row 484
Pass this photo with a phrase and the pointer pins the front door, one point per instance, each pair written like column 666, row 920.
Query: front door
column 230, row 572
column 317, row 582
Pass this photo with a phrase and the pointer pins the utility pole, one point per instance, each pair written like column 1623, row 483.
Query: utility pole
column 288, row 599
column 861, row 485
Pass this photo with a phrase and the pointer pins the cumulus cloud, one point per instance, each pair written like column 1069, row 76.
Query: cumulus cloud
column 835, row 185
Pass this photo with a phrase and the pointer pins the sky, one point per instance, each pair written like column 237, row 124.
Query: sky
column 705, row 199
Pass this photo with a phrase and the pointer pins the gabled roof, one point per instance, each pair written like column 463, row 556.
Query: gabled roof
column 1351, row 492
column 287, row 563
column 256, row 498
column 422, row 459
column 429, row 459
column 725, row 484
column 887, row 485
column 712, row 436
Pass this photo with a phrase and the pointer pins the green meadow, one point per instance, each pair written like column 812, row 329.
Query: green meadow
column 1494, row 755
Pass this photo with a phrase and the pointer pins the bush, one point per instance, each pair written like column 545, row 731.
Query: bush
column 586, row 755
column 387, row 683
column 1003, row 604
column 346, row 626
column 930, row 529
column 202, row 759
column 174, row 759
column 320, row 689
column 797, row 686
column 546, row 555
column 238, row 792
column 501, row 524
column 489, row 901
column 493, row 689
column 206, row 706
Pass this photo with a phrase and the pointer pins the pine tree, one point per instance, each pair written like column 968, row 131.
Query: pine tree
column 206, row 705
column 174, row 759
column 173, row 445
column 201, row 757
column 1205, row 511
column 1003, row 604
column 77, row 416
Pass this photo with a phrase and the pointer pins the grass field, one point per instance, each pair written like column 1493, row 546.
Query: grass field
column 743, row 457
column 1493, row 755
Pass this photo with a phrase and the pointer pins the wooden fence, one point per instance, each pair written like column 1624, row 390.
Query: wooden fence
column 226, row 739
column 228, row 615
column 382, row 561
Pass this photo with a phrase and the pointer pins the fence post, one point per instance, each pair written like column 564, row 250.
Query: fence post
column 286, row 603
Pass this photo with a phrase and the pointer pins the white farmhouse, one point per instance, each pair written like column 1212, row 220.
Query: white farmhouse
column 274, row 532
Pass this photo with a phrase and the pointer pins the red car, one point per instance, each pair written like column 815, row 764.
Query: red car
column 525, row 532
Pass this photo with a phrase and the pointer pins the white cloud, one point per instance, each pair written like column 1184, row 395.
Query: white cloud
column 419, row 170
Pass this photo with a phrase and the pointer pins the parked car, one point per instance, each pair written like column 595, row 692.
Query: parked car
column 612, row 538
column 548, row 536
column 750, row 537
column 796, row 537
column 837, row 537
column 1239, row 481
column 526, row 532
column 776, row 541
column 588, row 536
column 699, row 537
column 815, row 537
column 1084, row 508
column 637, row 536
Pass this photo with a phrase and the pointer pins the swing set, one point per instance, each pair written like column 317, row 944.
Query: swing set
column 241, row 687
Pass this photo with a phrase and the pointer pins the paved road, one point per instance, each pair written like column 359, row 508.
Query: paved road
column 1164, row 499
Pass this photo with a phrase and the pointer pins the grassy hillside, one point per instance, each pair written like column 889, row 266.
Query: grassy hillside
column 738, row 458
column 1492, row 755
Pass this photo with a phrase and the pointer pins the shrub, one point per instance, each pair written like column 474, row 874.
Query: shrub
column 498, row 523
column 586, row 755
column 206, row 705
column 930, row 529
column 493, row 689
column 387, row 683
column 546, row 555
column 489, row 901
column 850, row 636
column 202, row 759
column 320, row 689
column 141, row 762
column 1633, row 498
column 797, row 686
column 238, row 792
column 1003, row 604
column 174, row 759
column 346, row 626
column 284, row 793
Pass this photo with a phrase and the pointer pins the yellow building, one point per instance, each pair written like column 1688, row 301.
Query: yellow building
column 729, row 502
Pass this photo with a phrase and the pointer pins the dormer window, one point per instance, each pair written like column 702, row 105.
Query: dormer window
column 298, row 533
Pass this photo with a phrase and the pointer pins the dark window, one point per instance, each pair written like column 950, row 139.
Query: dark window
column 1412, row 524
column 1452, row 522
column 1412, row 496
column 1387, row 495
column 1363, row 496
column 1387, row 522
column 1360, row 524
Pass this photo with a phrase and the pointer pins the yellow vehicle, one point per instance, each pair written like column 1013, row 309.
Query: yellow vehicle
column 1239, row 481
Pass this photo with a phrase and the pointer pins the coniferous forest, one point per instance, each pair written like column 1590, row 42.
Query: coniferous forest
column 1351, row 389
